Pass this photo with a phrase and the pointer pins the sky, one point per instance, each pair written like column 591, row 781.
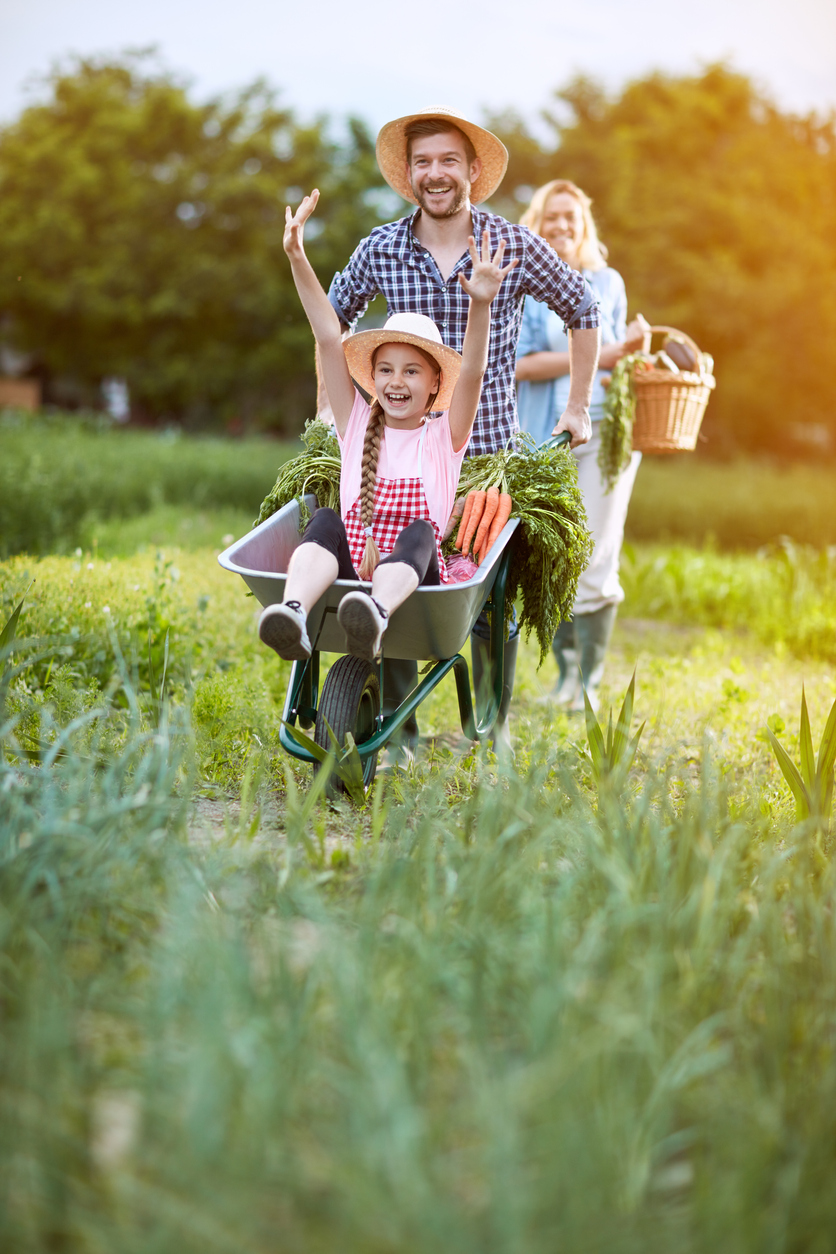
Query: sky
column 380, row 59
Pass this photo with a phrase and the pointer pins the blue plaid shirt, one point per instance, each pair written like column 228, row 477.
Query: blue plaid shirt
column 392, row 262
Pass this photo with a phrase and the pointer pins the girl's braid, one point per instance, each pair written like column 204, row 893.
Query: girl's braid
column 368, row 480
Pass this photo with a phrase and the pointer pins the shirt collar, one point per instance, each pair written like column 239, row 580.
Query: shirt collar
column 408, row 241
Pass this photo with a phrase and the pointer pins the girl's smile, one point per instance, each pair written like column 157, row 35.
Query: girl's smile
column 404, row 383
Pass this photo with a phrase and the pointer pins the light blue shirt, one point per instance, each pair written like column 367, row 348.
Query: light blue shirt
column 540, row 404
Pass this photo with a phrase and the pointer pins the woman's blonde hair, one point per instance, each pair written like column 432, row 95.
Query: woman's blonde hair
column 591, row 254
column 368, row 471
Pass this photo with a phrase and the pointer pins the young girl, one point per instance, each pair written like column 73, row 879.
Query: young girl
column 399, row 470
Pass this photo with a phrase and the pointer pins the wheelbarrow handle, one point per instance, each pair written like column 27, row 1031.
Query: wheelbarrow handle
column 558, row 441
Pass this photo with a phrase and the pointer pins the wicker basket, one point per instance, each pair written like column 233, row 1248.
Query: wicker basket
column 669, row 407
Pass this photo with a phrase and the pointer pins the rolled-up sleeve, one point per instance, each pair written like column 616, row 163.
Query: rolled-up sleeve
column 352, row 288
column 566, row 291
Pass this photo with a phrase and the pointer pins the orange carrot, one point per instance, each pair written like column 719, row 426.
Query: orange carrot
column 491, row 503
column 500, row 518
column 473, row 520
column 454, row 519
column 466, row 512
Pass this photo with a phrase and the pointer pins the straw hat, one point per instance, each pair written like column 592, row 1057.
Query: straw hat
column 391, row 154
column 404, row 328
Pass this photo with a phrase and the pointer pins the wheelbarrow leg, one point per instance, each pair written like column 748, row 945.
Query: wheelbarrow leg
column 491, row 696
column 485, row 675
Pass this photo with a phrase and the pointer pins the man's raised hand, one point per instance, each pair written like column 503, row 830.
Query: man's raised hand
column 294, row 224
column 487, row 272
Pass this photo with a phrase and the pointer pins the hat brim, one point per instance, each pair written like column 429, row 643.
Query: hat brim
column 358, row 351
column 391, row 154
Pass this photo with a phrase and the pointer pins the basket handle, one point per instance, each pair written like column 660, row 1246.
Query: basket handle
column 681, row 335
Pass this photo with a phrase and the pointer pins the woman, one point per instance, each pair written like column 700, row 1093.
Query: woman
column 561, row 213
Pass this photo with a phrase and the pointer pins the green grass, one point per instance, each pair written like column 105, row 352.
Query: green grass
column 65, row 482
column 483, row 1014
column 736, row 505
column 61, row 480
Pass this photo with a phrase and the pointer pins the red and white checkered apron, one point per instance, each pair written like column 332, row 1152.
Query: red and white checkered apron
column 397, row 503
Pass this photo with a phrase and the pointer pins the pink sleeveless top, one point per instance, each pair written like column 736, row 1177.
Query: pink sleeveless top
column 417, row 477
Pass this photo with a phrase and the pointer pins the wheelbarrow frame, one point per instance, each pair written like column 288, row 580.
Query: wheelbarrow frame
column 303, row 690
column 487, row 590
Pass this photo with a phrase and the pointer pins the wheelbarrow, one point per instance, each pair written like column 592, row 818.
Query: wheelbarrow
column 432, row 625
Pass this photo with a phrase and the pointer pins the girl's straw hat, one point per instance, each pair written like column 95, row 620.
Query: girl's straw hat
column 391, row 153
column 403, row 328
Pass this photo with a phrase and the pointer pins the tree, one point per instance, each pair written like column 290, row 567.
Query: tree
column 720, row 212
column 142, row 238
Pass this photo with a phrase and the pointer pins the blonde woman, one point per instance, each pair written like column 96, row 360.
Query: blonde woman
column 561, row 213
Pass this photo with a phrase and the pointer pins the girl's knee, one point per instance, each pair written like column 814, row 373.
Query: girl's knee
column 420, row 528
column 325, row 522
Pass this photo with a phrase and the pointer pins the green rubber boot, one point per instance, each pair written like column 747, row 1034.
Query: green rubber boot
column 592, row 636
column 568, row 686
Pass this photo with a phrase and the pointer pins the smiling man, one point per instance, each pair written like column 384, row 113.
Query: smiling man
column 446, row 165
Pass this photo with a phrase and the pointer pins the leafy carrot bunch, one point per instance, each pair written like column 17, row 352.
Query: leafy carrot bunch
column 552, row 545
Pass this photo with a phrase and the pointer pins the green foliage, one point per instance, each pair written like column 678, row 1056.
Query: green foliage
column 736, row 505
column 142, row 238
column 812, row 785
column 694, row 178
column 317, row 470
column 506, row 1021
column 59, row 476
column 785, row 596
column 552, row 545
column 617, row 423
column 344, row 761
column 613, row 757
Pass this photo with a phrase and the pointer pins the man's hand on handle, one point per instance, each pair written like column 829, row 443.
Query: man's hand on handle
column 578, row 423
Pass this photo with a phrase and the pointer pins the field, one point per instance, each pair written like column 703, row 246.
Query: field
column 500, row 1008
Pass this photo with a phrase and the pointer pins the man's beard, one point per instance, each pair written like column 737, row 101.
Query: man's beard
column 460, row 198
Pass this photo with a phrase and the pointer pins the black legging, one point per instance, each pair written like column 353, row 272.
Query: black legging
column 415, row 546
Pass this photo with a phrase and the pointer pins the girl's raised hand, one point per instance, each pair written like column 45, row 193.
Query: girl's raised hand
column 487, row 272
column 294, row 224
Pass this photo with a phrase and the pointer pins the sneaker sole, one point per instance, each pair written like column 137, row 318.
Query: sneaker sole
column 285, row 637
column 362, row 636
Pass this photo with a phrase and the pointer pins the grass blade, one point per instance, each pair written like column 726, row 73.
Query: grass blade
column 791, row 774
column 7, row 636
column 595, row 738
column 827, row 748
column 625, row 718
column 805, row 745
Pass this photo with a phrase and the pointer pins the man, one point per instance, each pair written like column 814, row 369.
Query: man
column 446, row 165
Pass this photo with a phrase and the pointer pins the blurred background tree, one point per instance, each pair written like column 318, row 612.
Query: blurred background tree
column 142, row 239
column 720, row 212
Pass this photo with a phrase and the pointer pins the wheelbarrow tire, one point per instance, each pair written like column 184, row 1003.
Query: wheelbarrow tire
column 350, row 702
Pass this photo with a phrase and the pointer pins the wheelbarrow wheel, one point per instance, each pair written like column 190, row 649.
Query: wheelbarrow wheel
column 350, row 702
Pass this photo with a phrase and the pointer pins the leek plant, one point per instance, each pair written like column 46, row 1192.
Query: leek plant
column 811, row 784
column 612, row 757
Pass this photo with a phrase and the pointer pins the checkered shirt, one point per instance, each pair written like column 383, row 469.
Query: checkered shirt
column 392, row 262
column 397, row 503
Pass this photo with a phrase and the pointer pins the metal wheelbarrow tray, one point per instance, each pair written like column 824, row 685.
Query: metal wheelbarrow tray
column 432, row 625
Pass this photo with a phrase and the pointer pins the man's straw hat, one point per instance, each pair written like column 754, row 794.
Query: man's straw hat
column 403, row 328
column 391, row 153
